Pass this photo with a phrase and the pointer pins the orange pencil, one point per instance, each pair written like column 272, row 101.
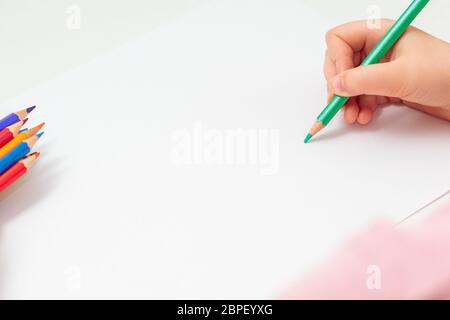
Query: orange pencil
column 7, row 134
column 17, row 171
column 18, row 139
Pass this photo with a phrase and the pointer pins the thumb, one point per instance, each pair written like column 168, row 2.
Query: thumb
column 384, row 79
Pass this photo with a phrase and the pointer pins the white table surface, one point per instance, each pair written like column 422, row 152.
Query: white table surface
column 106, row 213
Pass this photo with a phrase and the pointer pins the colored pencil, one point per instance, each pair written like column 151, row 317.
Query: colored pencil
column 18, row 153
column 17, row 171
column 375, row 56
column 19, row 138
column 15, row 117
column 7, row 134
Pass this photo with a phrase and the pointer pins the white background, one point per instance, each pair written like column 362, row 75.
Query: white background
column 37, row 46
column 107, row 214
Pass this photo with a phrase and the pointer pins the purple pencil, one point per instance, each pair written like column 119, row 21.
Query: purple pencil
column 15, row 117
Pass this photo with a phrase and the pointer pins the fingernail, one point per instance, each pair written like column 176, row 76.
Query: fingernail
column 337, row 84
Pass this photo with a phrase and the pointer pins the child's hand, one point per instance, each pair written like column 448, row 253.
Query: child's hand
column 415, row 72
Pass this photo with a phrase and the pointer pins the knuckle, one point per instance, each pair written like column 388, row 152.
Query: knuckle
column 329, row 35
column 329, row 86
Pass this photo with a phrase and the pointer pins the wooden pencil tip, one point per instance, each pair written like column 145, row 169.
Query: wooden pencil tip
column 35, row 130
column 318, row 125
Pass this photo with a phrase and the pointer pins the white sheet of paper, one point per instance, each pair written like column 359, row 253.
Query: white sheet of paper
column 106, row 213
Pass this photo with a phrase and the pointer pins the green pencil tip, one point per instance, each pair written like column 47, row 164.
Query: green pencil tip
column 308, row 137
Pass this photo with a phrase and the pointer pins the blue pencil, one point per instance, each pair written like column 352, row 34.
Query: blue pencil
column 18, row 152
column 15, row 117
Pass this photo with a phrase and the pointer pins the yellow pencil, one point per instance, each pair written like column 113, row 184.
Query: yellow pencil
column 18, row 139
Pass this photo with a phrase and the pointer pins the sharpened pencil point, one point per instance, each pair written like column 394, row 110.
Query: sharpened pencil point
column 31, row 109
column 35, row 130
column 40, row 134
column 308, row 137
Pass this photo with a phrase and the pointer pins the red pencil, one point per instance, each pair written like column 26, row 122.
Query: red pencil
column 7, row 134
column 17, row 171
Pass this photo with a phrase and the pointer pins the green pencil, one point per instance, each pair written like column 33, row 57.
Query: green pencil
column 380, row 50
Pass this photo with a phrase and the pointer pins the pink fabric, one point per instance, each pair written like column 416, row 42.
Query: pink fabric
column 385, row 262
